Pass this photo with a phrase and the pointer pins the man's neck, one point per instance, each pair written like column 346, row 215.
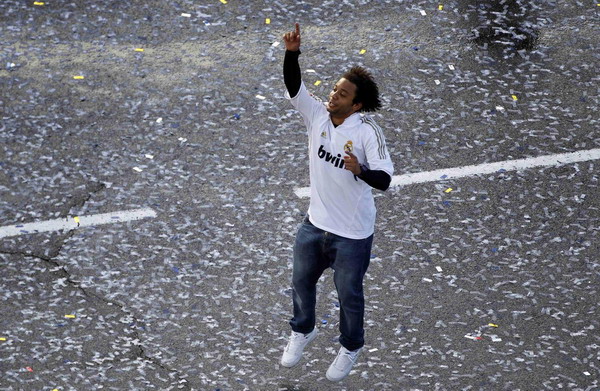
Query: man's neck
column 337, row 121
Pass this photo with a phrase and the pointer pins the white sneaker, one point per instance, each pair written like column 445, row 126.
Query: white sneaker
column 343, row 363
column 293, row 351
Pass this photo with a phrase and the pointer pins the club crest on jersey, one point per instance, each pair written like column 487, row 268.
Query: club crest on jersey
column 337, row 161
column 324, row 134
column 348, row 147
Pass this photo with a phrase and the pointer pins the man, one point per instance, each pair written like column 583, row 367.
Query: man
column 338, row 229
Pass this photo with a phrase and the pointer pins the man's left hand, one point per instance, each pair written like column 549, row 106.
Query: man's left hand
column 351, row 163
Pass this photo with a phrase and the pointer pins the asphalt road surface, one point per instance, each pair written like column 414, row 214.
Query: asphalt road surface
column 486, row 282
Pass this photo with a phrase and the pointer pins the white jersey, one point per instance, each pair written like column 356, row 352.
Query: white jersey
column 339, row 202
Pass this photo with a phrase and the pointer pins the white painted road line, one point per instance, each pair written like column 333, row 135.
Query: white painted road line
column 486, row 168
column 75, row 222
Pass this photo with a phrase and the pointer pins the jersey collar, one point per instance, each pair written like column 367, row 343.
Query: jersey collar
column 353, row 120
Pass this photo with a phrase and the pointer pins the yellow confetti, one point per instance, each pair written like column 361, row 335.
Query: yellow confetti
column 268, row 21
column 515, row 97
column 441, row 7
column 70, row 316
column 224, row 1
column 2, row 339
column 318, row 82
column 363, row 51
column 492, row 325
column 76, row 218
column 78, row 77
column 448, row 190
column 56, row 389
column 139, row 49
column 38, row 3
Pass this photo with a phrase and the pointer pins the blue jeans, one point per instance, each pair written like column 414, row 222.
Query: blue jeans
column 316, row 250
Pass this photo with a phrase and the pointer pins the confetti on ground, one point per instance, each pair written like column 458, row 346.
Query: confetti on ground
column 440, row 7
column 224, row 1
column 200, row 296
column 423, row 12
column 29, row 369
column 318, row 82
column 261, row 97
column 186, row 15
column 139, row 49
column 448, row 190
column 70, row 316
column 362, row 51
column 78, row 77
column 267, row 21
column 492, row 325
column 76, row 218
column 2, row 339
column 38, row 3
column 137, row 169
column 437, row 82
column 514, row 97
column 149, row 156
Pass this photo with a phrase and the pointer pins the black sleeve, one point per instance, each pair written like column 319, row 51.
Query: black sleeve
column 377, row 179
column 291, row 72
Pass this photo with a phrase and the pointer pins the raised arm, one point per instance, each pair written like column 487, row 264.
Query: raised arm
column 291, row 68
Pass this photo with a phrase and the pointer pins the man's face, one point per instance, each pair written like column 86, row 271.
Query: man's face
column 341, row 97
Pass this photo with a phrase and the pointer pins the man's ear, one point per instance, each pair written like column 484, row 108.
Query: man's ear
column 357, row 106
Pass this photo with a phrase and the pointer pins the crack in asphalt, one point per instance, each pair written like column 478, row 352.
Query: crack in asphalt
column 139, row 349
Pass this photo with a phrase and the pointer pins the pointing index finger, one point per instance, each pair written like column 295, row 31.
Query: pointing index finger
column 297, row 28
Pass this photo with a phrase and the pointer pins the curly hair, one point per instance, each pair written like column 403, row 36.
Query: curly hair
column 367, row 91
